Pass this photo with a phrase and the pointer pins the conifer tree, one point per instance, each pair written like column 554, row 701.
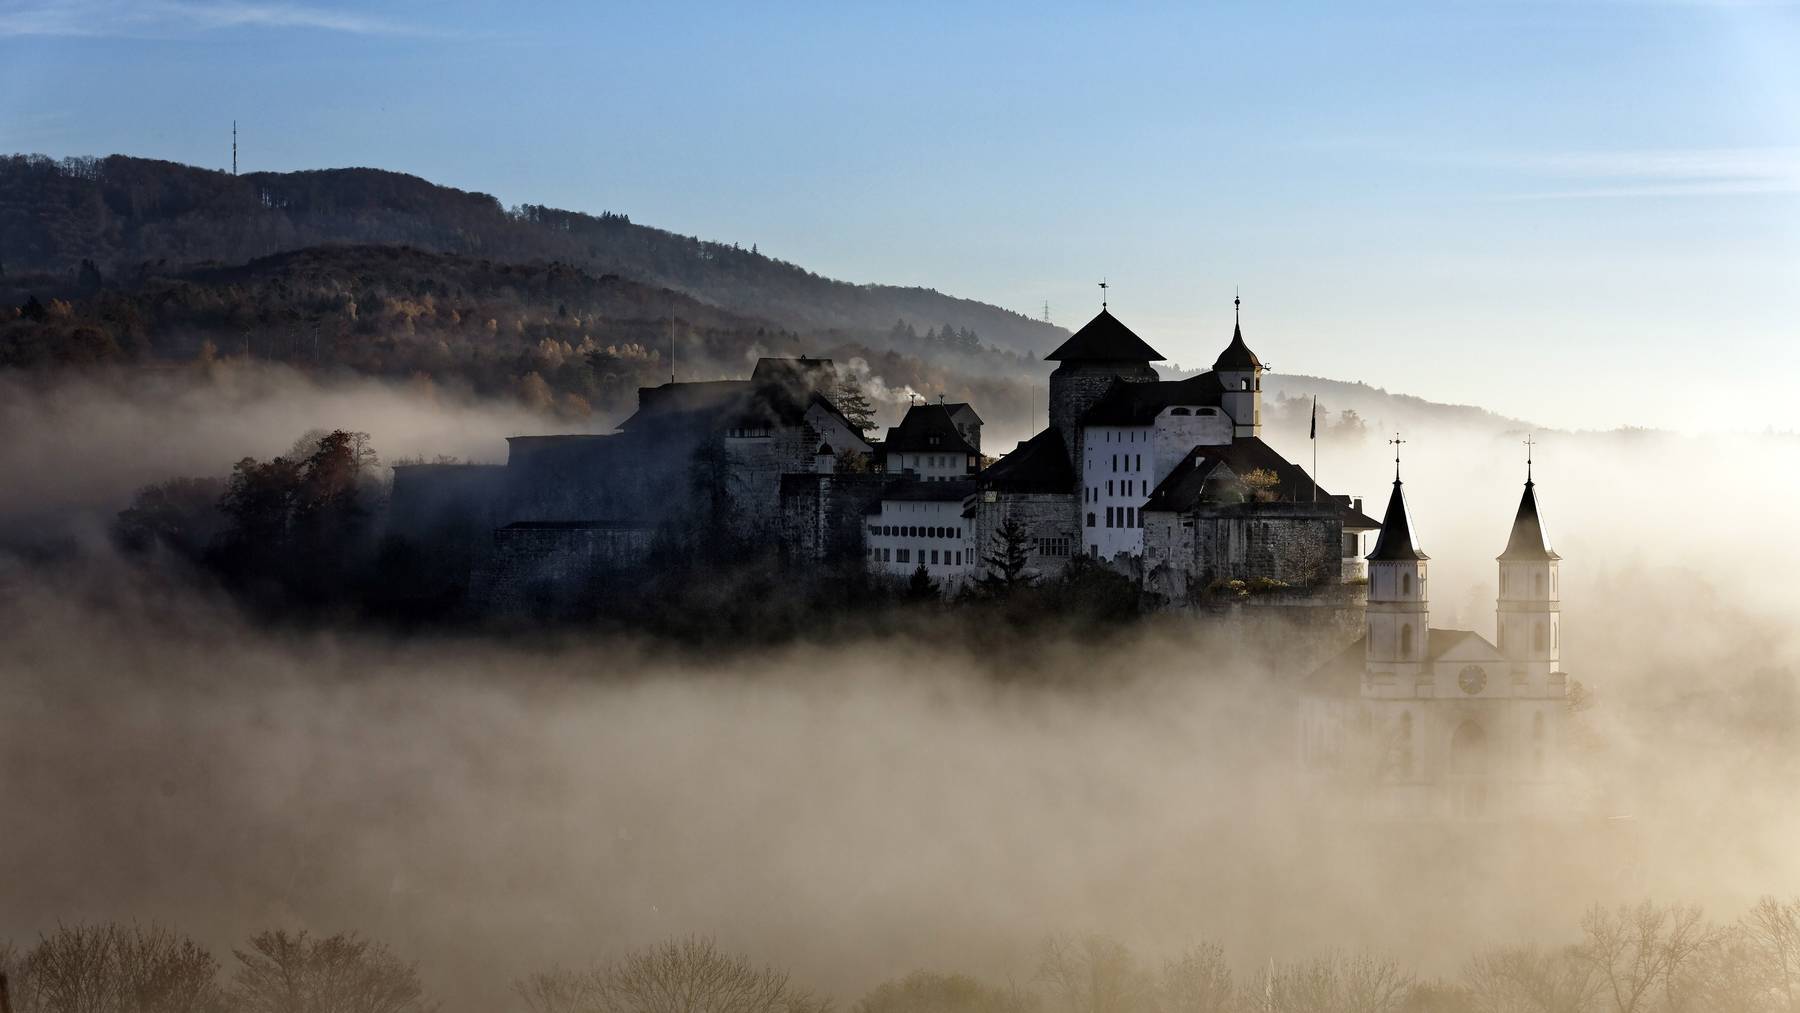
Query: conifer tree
column 848, row 398
column 1006, row 563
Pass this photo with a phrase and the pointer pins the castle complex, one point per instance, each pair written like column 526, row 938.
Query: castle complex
column 1166, row 481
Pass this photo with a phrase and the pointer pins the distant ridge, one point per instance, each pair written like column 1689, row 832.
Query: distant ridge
column 132, row 216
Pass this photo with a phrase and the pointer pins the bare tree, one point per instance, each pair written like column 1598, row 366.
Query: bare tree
column 1338, row 983
column 1525, row 979
column 929, row 992
column 296, row 973
column 111, row 968
column 1643, row 953
column 1771, row 932
column 681, row 976
column 1197, row 981
column 1094, row 974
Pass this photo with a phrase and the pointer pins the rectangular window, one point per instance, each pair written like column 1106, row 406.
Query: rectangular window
column 934, row 553
column 902, row 555
column 1131, row 517
column 1115, row 462
column 1140, row 463
column 959, row 558
column 1109, row 517
column 1109, row 487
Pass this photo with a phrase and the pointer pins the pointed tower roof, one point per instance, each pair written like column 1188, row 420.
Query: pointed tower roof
column 1396, row 540
column 1528, row 541
column 1237, row 355
column 1104, row 339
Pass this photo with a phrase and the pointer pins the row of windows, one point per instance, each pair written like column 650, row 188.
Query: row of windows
column 747, row 432
column 1120, row 517
column 1126, row 437
column 1126, row 487
column 913, row 531
column 1133, row 462
column 937, row 460
column 949, row 558
column 1058, row 547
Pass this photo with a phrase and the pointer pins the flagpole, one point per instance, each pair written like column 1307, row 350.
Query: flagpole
column 1315, row 443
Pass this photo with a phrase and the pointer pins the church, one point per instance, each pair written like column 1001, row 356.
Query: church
column 1441, row 722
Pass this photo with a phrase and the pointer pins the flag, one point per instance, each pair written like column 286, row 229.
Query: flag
column 1314, row 433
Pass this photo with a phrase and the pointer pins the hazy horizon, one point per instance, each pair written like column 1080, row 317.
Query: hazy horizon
column 1561, row 211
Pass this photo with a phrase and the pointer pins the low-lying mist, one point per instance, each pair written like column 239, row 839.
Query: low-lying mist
column 855, row 807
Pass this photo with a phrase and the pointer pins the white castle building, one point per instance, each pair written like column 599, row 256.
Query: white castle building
column 1444, row 723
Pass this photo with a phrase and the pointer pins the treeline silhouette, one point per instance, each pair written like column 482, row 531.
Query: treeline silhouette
column 132, row 217
column 1629, row 959
column 551, row 335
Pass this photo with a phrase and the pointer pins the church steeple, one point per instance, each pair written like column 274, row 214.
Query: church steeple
column 1398, row 611
column 1528, row 621
column 1395, row 543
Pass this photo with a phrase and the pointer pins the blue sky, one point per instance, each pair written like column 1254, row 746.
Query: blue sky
column 1582, row 212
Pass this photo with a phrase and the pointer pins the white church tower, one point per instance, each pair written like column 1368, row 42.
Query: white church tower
column 1398, row 612
column 1240, row 376
column 1528, row 614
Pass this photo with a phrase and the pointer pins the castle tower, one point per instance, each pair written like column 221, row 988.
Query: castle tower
column 1528, row 613
column 1103, row 350
column 1398, row 612
column 1240, row 374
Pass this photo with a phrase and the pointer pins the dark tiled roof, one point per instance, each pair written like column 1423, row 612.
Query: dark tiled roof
column 1396, row 539
column 1528, row 541
column 1237, row 355
column 1104, row 339
column 956, row 406
column 1040, row 464
column 779, row 392
column 915, row 490
column 1186, row 486
column 1137, row 404
column 927, row 429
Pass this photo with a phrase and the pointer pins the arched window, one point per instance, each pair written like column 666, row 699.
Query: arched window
column 1406, row 640
column 1468, row 750
column 1181, row 411
column 1538, row 639
column 1406, row 584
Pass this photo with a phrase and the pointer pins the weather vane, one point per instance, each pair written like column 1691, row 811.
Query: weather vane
column 1396, row 442
column 1529, row 443
column 1102, row 293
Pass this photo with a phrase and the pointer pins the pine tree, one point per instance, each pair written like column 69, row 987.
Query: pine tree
column 848, row 398
column 1006, row 563
column 921, row 587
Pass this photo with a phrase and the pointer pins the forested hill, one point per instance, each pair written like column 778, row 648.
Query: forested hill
column 134, row 217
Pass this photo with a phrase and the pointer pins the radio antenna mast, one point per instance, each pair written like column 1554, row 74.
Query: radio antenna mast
column 234, row 147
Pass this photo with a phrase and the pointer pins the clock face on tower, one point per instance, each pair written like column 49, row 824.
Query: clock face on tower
column 1472, row 679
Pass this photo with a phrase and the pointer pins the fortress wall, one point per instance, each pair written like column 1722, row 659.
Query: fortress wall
column 546, row 570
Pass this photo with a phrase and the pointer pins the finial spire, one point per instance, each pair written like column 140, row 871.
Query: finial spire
column 1103, row 293
column 1237, row 305
column 1396, row 442
column 1528, row 445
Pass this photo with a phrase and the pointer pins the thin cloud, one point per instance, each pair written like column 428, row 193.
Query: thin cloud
column 173, row 17
column 1691, row 172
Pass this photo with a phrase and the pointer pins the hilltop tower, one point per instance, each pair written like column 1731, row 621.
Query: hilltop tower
column 1240, row 374
column 1103, row 350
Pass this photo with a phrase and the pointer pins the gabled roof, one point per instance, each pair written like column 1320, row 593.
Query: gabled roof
column 1040, row 464
column 956, row 408
column 779, row 392
column 1441, row 642
column 1396, row 540
column 1188, row 483
column 1137, row 404
column 927, row 429
column 1237, row 355
column 1104, row 339
column 1528, row 541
